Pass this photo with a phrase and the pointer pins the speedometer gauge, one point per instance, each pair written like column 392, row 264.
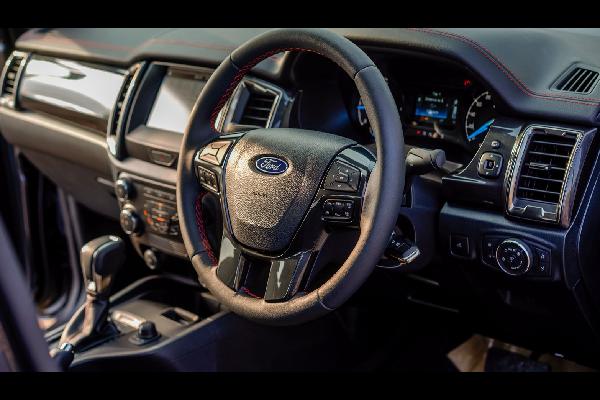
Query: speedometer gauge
column 480, row 116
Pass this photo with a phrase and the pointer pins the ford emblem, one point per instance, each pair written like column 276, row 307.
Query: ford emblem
column 271, row 165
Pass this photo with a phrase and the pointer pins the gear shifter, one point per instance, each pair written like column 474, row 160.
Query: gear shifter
column 101, row 259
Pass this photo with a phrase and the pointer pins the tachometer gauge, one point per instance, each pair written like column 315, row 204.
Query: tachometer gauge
column 480, row 116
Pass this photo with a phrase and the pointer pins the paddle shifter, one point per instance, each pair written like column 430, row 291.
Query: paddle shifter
column 101, row 259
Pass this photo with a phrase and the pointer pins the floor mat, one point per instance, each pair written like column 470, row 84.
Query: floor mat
column 483, row 354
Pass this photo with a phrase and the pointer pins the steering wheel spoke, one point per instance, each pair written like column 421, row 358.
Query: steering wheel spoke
column 286, row 275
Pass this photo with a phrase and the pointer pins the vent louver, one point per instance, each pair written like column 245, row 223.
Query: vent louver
column 116, row 125
column 11, row 75
column 544, row 167
column 258, row 108
column 120, row 102
column 579, row 80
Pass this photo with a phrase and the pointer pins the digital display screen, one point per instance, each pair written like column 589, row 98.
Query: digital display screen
column 434, row 108
column 175, row 100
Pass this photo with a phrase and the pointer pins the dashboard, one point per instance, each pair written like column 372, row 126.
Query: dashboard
column 527, row 150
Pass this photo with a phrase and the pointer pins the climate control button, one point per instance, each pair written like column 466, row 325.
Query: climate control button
column 514, row 257
column 130, row 222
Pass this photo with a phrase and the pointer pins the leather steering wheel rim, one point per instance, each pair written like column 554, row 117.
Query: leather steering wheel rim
column 383, row 193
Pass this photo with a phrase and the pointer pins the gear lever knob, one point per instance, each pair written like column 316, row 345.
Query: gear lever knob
column 101, row 258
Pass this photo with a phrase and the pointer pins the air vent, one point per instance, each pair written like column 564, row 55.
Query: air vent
column 121, row 101
column 579, row 80
column 11, row 75
column 116, row 124
column 544, row 167
column 258, row 108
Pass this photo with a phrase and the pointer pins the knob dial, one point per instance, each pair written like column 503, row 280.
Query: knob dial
column 514, row 256
column 124, row 189
column 130, row 222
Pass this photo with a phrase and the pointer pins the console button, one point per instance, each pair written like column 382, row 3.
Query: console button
column 130, row 222
column 342, row 177
column 490, row 165
column 542, row 266
column 459, row 245
column 162, row 157
column 124, row 189
column 514, row 257
column 488, row 250
column 214, row 152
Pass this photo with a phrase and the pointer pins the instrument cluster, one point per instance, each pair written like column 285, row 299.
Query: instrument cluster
column 446, row 106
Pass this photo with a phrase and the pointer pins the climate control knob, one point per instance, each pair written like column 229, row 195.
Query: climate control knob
column 514, row 256
column 124, row 189
column 130, row 221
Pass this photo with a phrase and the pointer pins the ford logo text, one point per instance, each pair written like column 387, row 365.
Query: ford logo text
column 271, row 165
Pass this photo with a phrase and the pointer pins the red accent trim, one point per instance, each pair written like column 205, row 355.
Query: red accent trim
column 202, row 230
column 241, row 73
column 587, row 101
column 249, row 293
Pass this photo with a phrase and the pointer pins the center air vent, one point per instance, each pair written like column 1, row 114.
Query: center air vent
column 258, row 108
column 543, row 173
column 10, row 78
column 579, row 80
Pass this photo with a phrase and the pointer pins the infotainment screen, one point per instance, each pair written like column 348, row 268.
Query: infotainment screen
column 435, row 107
column 175, row 100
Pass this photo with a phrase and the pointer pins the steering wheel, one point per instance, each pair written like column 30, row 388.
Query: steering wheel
column 290, row 200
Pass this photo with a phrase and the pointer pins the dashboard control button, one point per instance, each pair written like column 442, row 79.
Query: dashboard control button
column 514, row 257
column 341, row 210
column 488, row 250
column 459, row 245
column 542, row 265
column 490, row 165
column 342, row 177
column 162, row 157
column 130, row 222
column 214, row 152
column 124, row 189
column 151, row 259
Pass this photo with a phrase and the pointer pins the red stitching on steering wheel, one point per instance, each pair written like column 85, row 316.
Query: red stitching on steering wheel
column 202, row 230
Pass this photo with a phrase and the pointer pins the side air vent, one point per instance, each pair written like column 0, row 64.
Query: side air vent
column 118, row 118
column 543, row 173
column 579, row 80
column 544, row 167
column 258, row 108
column 254, row 104
column 10, row 78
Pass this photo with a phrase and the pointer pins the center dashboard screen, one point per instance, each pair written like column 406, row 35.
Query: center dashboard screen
column 175, row 99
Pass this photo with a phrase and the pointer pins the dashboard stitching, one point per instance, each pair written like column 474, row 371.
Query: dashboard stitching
column 587, row 101
column 201, row 229
column 241, row 73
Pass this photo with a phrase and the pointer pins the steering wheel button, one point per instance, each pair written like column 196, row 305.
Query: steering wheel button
column 214, row 152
